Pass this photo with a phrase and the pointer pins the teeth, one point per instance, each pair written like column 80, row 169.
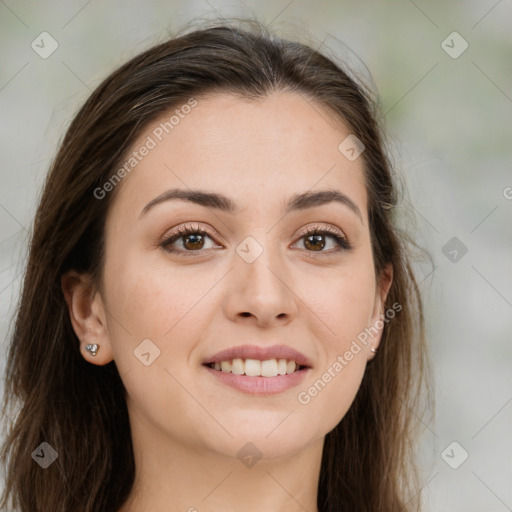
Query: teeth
column 290, row 367
column 256, row 368
column 269, row 368
column 238, row 367
column 252, row 367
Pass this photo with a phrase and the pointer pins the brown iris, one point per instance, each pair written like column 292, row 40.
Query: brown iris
column 316, row 241
column 196, row 241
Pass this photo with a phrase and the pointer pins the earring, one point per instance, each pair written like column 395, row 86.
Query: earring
column 374, row 350
column 92, row 348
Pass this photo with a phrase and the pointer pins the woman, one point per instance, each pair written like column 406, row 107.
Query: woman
column 218, row 311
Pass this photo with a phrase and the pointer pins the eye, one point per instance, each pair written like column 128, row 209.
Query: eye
column 315, row 239
column 191, row 238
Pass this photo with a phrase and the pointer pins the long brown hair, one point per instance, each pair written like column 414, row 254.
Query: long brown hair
column 53, row 395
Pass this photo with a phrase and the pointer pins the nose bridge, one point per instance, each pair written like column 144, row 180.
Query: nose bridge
column 259, row 261
column 261, row 280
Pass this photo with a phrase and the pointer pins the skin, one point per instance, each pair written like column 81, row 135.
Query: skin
column 187, row 428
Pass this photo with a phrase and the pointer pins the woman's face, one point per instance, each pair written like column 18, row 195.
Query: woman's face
column 250, row 275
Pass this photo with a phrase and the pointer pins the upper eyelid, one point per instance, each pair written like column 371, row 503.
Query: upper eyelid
column 327, row 228
column 199, row 227
column 190, row 227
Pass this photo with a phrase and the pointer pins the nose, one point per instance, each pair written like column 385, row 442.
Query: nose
column 261, row 291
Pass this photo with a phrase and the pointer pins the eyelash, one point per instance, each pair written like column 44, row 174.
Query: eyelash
column 341, row 241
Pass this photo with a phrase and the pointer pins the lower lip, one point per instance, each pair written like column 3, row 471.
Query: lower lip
column 259, row 385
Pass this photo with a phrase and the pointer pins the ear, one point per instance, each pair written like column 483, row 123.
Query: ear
column 87, row 315
column 377, row 321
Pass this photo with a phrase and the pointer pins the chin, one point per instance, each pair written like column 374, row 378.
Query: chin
column 265, row 441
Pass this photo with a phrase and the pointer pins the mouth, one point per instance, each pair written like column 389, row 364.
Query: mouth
column 257, row 368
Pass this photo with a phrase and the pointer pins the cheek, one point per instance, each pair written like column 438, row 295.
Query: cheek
column 148, row 302
column 346, row 303
column 336, row 381
column 157, row 302
column 150, row 298
column 345, row 308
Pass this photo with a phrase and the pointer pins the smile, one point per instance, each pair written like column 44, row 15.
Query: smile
column 257, row 368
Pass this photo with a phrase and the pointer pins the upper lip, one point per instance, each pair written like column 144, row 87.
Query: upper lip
column 259, row 353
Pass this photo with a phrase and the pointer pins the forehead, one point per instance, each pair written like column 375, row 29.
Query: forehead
column 255, row 150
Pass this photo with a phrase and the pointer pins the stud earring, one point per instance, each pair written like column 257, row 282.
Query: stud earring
column 92, row 348
column 374, row 350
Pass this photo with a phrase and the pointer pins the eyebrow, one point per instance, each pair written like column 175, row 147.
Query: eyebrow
column 223, row 203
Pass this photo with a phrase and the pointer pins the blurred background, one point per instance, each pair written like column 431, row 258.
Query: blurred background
column 443, row 71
